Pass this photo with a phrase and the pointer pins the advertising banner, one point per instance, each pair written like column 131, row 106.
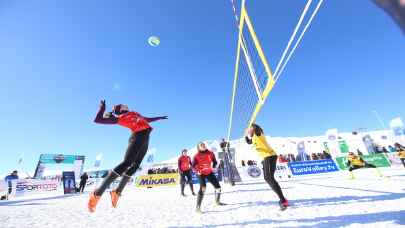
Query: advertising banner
column 46, row 160
column 398, row 129
column 28, row 186
column 69, row 183
column 378, row 160
column 157, row 180
column 344, row 148
column 332, row 142
column 369, row 143
column 254, row 171
column 3, row 188
column 301, row 151
column 313, row 167
column 394, row 159
column 397, row 126
column 283, row 171
column 97, row 162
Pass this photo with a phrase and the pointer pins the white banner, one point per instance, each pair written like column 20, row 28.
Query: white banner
column 3, row 188
column 28, row 186
column 282, row 171
column 394, row 159
column 78, row 167
column 333, row 142
column 398, row 130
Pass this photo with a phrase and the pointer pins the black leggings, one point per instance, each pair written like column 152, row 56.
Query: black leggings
column 138, row 145
column 211, row 178
column 269, row 168
column 81, row 187
column 137, row 148
column 366, row 165
column 185, row 177
column 403, row 161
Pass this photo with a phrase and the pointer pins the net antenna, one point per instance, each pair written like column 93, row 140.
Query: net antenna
column 253, row 78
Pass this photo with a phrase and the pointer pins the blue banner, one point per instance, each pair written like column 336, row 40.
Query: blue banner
column 313, row 167
column 69, row 183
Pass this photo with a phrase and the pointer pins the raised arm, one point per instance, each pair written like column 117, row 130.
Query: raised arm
column 151, row 119
column 100, row 119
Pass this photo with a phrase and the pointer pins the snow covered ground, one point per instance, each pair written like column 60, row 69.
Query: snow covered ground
column 321, row 201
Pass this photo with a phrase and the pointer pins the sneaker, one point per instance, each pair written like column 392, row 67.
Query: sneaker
column 193, row 194
column 93, row 200
column 220, row 204
column 183, row 194
column 283, row 205
column 114, row 198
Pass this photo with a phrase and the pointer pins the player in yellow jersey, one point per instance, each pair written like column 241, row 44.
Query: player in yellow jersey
column 356, row 162
column 255, row 136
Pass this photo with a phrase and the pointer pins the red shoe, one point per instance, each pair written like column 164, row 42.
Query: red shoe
column 114, row 198
column 283, row 205
column 93, row 200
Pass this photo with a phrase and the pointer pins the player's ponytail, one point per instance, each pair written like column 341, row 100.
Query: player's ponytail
column 257, row 129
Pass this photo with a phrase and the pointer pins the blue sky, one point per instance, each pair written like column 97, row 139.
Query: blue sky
column 59, row 58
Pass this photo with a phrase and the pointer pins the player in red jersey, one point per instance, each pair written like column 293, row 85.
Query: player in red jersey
column 137, row 148
column 184, row 165
column 204, row 163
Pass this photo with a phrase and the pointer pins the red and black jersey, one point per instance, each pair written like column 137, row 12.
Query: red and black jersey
column 133, row 121
column 184, row 163
column 204, row 162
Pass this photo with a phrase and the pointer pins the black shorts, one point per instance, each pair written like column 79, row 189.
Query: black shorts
column 186, row 177
column 366, row 165
column 211, row 178
column 136, row 151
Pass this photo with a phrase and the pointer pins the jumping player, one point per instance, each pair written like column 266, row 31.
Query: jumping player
column 356, row 162
column 137, row 148
column 255, row 136
column 184, row 165
column 204, row 163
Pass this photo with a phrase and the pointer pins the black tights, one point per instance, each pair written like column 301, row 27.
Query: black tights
column 269, row 168
column 137, row 148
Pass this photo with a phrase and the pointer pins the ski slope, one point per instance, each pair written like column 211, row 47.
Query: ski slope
column 317, row 201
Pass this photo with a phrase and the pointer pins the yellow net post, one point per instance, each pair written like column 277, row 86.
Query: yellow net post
column 258, row 75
